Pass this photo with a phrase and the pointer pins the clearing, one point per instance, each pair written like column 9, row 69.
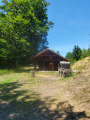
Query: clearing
column 43, row 97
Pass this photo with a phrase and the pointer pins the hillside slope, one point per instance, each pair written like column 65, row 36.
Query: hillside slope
column 79, row 85
column 83, row 66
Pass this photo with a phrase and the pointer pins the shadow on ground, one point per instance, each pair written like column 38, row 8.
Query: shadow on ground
column 21, row 70
column 17, row 104
column 27, row 70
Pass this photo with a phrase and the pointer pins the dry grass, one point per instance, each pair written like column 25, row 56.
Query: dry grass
column 82, row 66
column 80, row 90
column 80, row 86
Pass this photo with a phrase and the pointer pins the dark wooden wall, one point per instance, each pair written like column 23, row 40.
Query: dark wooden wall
column 49, row 66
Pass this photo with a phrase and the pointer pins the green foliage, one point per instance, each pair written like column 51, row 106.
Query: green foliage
column 69, row 56
column 88, row 52
column 77, row 52
column 84, row 53
column 6, row 71
column 4, row 52
column 24, row 25
column 66, row 78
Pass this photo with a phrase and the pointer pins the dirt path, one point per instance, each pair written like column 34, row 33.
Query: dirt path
column 54, row 91
column 44, row 97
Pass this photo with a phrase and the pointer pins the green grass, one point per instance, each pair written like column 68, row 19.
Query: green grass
column 5, row 71
column 15, row 89
column 16, row 70
column 5, row 82
column 69, row 77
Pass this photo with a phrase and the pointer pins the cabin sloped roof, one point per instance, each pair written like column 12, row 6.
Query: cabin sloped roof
column 45, row 53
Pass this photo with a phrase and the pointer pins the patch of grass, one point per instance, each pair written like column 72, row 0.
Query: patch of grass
column 16, row 70
column 5, row 82
column 69, row 77
column 6, row 78
column 5, row 71
column 81, row 64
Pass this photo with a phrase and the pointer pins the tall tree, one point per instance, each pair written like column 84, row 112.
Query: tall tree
column 24, row 25
column 4, row 52
column 77, row 52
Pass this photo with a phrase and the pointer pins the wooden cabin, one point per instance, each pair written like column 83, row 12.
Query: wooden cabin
column 48, row 60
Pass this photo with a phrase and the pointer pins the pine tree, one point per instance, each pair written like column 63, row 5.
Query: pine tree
column 77, row 52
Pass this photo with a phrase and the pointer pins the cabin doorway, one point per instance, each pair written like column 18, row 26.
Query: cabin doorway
column 51, row 66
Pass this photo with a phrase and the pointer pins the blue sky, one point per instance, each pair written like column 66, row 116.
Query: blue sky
column 71, row 25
